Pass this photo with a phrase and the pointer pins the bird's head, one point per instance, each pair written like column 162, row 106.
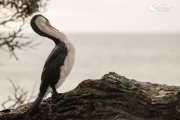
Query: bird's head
column 41, row 26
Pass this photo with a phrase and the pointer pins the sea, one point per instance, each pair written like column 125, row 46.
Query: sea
column 146, row 57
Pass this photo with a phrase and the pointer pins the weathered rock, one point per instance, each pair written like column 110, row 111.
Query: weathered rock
column 112, row 97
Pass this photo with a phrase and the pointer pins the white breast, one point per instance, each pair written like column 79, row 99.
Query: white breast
column 68, row 62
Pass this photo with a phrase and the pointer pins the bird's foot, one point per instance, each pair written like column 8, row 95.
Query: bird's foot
column 54, row 94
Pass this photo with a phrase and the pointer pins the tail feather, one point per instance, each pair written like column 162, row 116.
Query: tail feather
column 34, row 106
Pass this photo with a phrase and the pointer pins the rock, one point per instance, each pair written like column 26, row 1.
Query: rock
column 113, row 97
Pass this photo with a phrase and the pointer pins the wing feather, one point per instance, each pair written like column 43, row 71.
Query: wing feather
column 51, row 71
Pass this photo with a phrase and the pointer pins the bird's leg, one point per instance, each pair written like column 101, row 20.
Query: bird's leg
column 54, row 93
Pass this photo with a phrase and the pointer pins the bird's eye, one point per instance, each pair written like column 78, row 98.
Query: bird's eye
column 47, row 23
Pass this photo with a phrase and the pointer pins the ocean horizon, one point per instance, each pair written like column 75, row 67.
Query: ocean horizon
column 144, row 57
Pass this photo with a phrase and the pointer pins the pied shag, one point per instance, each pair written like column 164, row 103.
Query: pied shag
column 59, row 63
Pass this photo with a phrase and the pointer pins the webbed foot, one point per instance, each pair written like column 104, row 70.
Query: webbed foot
column 54, row 94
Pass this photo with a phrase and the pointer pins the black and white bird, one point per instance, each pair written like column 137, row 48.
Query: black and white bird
column 59, row 63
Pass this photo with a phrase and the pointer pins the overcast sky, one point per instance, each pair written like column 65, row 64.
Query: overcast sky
column 114, row 15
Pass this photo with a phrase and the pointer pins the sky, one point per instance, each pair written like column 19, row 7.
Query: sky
column 114, row 15
column 99, row 16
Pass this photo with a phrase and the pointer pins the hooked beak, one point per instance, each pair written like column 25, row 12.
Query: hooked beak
column 51, row 27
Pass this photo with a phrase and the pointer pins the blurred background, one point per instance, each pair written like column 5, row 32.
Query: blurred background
column 136, row 39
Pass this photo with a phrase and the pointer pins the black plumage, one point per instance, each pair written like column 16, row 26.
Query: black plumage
column 51, row 71
column 40, row 32
column 52, row 68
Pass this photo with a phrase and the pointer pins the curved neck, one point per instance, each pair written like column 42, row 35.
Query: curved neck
column 43, row 31
column 56, row 40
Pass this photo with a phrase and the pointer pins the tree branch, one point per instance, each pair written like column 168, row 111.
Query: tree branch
column 19, row 96
column 17, row 12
